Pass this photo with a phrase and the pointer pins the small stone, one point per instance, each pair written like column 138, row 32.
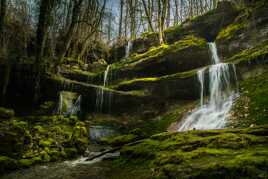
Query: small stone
column 252, row 125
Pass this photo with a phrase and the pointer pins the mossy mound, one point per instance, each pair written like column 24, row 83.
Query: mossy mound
column 202, row 154
column 259, row 52
column 30, row 140
column 6, row 113
column 252, row 106
column 161, row 51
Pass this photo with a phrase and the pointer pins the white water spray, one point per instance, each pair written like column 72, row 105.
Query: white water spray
column 201, row 78
column 213, row 113
column 76, row 107
column 67, row 105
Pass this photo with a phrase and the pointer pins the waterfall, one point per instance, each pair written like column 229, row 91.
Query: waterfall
column 76, row 107
column 100, row 94
column 69, row 103
column 128, row 48
column 214, row 53
column 201, row 77
column 213, row 113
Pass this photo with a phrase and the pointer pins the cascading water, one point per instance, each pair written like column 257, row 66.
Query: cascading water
column 100, row 94
column 69, row 103
column 212, row 114
column 76, row 107
column 128, row 48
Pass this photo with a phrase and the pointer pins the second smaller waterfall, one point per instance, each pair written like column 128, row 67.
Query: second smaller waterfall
column 69, row 103
column 101, row 94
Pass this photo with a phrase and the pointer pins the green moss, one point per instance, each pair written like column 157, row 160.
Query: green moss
column 198, row 154
column 257, row 53
column 39, row 139
column 230, row 31
column 251, row 107
column 120, row 140
column 7, row 163
column 148, row 34
column 151, row 80
column 164, row 49
column 39, row 129
column 46, row 142
column 26, row 162
column 6, row 113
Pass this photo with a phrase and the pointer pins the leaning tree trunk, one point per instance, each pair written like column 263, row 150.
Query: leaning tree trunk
column 46, row 8
column 69, row 35
column 148, row 16
column 2, row 21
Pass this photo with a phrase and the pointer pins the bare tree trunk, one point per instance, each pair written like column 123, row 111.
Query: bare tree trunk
column 2, row 21
column 168, row 14
column 120, row 20
column 132, row 14
column 126, row 21
column 148, row 15
column 68, row 37
column 42, row 27
column 162, row 11
column 176, row 14
column 46, row 8
column 93, row 30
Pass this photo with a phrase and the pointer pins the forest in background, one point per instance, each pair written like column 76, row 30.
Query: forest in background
column 53, row 30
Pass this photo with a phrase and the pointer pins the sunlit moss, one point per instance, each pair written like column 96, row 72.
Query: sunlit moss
column 229, row 31
column 224, row 153
column 175, row 76
column 164, row 49
column 251, row 107
column 258, row 52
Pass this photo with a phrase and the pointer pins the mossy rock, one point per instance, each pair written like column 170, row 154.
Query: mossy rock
column 260, row 52
column 15, row 138
column 202, row 154
column 80, row 137
column 71, row 152
column 245, row 32
column 163, row 60
column 6, row 113
column 26, row 162
column 7, row 163
column 46, row 108
column 46, row 142
column 251, row 107
column 120, row 140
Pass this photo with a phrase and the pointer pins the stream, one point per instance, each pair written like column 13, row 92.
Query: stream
column 73, row 169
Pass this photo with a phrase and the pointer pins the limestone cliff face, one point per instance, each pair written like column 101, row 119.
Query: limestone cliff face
column 161, row 73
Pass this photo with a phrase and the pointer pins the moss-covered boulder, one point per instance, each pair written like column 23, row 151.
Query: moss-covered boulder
column 248, row 30
column 181, row 86
column 31, row 140
column 251, row 108
column 201, row 154
column 15, row 138
column 6, row 113
column 186, row 54
column 7, row 163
